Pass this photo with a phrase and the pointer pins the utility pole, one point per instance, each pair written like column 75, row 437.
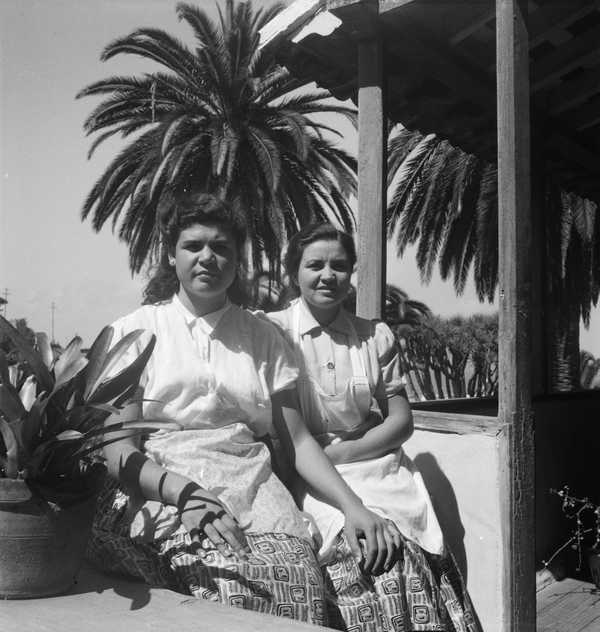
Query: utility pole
column 52, row 310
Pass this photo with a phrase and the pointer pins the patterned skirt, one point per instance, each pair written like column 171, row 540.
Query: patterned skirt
column 281, row 576
column 422, row 592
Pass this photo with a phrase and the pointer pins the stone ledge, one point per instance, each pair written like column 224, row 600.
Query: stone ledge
column 111, row 604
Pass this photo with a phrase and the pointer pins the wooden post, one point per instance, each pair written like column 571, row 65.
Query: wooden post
column 372, row 170
column 514, row 394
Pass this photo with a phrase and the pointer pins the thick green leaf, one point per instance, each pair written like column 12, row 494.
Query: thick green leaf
column 69, row 435
column 69, row 364
column 4, row 373
column 96, row 359
column 147, row 425
column 31, row 424
column 84, row 451
column 107, row 408
column 11, row 467
column 11, row 406
column 32, row 358
column 44, row 348
column 27, row 393
column 112, row 358
column 123, row 381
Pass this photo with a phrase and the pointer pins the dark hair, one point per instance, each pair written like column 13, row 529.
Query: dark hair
column 178, row 211
column 321, row 231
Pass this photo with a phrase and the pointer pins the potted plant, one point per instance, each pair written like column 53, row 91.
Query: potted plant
column 52, row 426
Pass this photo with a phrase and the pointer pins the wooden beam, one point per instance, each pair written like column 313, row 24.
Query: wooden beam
column 372, row 177
column 472, row 27
column 580, row 51
column 573, row 152
column 456, row 423
column 570, row 93
column 549, row 21
column 442, row 63
column 514, row 392
column 585, row 117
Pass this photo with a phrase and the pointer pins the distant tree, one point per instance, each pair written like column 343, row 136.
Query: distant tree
column 589, row 371
column 225, row 116
column 447, row 358
column 399, row 310
column 9, row 348
column 446, row 202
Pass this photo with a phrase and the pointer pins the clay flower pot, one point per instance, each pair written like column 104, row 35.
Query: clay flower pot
column 41, row 545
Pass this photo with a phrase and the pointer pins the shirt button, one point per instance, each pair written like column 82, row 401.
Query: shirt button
column 330, row 365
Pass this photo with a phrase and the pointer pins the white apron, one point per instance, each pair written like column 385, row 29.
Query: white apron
column 217, row 449
column 389, row 485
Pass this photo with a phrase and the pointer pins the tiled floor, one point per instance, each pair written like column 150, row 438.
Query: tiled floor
column 568, row 606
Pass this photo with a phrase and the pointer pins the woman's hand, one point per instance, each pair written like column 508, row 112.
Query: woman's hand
column 381, row 536
column 202, row 513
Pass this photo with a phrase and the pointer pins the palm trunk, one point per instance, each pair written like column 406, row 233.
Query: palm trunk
column 564, row 347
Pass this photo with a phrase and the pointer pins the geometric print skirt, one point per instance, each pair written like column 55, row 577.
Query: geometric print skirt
column 422, row 592
column 280, row 576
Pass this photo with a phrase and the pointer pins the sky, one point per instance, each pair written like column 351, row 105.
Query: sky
column 48, row 52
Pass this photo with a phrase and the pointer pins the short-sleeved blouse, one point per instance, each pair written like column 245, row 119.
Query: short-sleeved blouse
column 326, row 350
column 231, row 352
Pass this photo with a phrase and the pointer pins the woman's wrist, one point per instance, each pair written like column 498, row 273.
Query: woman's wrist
column 350, row 501
column 176, row 490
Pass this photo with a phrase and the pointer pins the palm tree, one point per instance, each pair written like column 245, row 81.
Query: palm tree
column 226, row 116
column 446, row 201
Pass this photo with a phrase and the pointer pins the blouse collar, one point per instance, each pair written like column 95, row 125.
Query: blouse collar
column 308, row 322
column 207, row 322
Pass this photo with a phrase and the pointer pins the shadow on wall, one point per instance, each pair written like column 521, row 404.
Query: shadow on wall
column 446, row 507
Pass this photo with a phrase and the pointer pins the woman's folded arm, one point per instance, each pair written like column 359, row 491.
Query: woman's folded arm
column 317, row 470
column 199, row 510
column 378, row 440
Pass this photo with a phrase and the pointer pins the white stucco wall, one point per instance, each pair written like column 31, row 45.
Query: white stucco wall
column 461, row 473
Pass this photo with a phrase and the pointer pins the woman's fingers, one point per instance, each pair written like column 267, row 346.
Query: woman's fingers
column 215, row 537
column 392, row 538
column 395, row 532
column 354, row 545
column 382, row 550
column 372, row 549
column 232, row 534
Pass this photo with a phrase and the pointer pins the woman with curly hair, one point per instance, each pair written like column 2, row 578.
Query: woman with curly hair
column 200, row 510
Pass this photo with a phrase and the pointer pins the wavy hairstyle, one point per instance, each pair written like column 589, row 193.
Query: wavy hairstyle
column 317, row 231
column 178, row 211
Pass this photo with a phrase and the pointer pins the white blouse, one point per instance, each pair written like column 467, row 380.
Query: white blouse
column 230, row 351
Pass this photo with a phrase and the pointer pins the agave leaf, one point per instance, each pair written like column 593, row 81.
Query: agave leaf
column 85, row 449
column 124, row 380
column 13, row 375
column 44, row 348
column 11, row 406
column 27, row 392
column 32, row 423
column 126, row 397
column 11, row 467
column 69, row 435
column 96, row 359
column 4, row 372
column 69, row 364
column 29, row 355
column 147, row 425
column 111, row 359
column 107, row 408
